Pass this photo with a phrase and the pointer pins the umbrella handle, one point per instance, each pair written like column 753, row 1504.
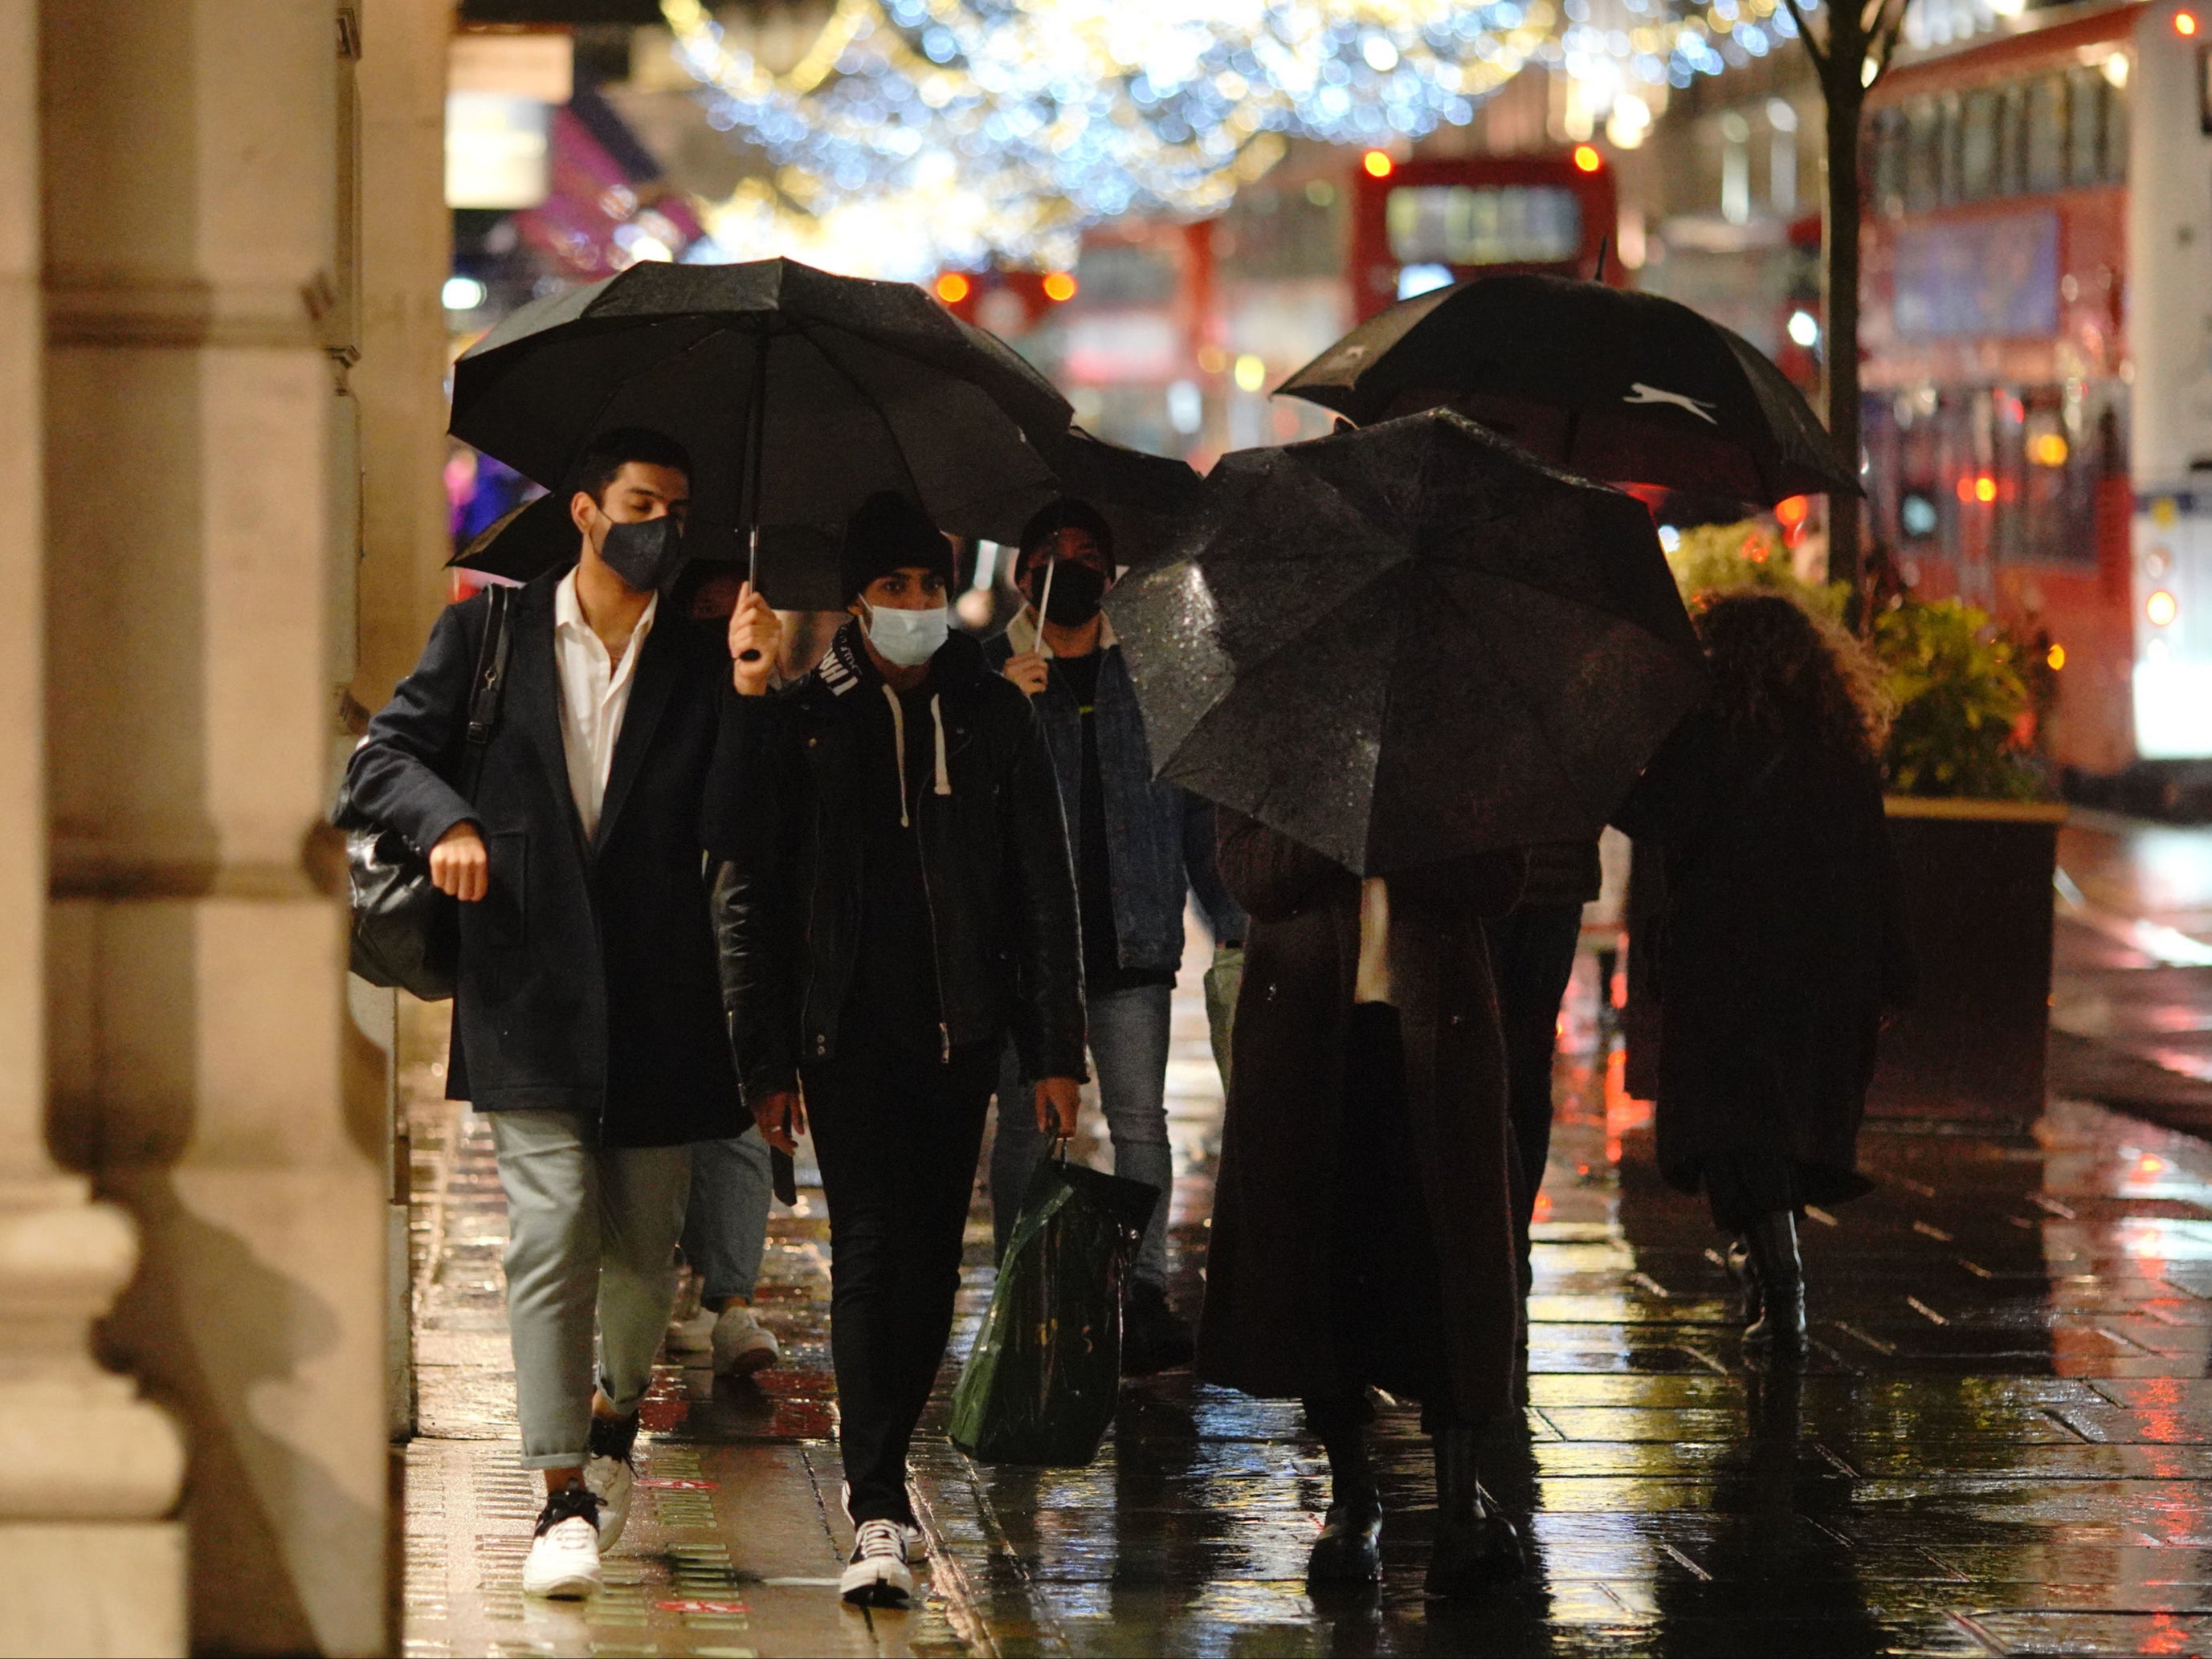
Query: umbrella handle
column 1044, row 599
column 752, row 579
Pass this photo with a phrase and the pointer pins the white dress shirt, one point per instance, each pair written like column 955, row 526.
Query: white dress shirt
column 595, row 693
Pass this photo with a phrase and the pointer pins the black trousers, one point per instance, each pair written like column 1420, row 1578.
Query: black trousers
column 897, row 1131
column 1532, row 956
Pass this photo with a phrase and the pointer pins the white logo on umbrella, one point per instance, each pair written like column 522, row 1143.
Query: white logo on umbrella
column 1640, row 393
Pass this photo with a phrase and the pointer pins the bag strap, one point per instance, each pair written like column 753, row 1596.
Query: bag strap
column 490, row 681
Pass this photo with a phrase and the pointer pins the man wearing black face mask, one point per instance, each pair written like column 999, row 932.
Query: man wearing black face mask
column 1139, row 847
column 587, row 1020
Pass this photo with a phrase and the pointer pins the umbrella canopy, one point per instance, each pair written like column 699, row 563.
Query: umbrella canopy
column 1646, row 390
column 798, row 394
column 1140, row 494
column 1409, row 642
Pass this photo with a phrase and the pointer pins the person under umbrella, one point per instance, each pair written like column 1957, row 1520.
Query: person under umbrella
column 893, row 899
column 1140, row 847
column 1394, row 658
column 1783, row 939
column 1616, row 385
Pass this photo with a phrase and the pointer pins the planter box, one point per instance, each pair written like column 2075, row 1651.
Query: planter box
column 1977, row 896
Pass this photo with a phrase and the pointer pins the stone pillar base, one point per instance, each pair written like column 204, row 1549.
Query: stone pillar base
column 93, row 1588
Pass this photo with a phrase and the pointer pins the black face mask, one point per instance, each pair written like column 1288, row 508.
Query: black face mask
column 1076, row 591
column 647, row 555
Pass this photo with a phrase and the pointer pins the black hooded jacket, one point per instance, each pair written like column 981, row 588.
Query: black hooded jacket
column 786, row 799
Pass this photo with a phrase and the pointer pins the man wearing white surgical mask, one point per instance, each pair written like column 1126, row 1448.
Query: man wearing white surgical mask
column 893, row 900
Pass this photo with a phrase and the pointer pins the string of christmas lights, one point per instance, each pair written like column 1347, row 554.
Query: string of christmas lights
column 917, row 134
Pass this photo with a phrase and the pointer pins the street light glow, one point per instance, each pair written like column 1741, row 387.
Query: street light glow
column 1251, row 373
column 952, row 288
column 2185, row 23
column 1804, row 329
column 1059, row 286
column 2162, row 608
column 1377, row 163
column 463, row 294
column 1587, row 159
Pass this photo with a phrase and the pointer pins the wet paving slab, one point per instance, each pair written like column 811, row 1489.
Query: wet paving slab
column 2001, row 1442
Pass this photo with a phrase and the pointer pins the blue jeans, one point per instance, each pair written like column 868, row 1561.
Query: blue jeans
column 1129, row 1049
column 725, row 1224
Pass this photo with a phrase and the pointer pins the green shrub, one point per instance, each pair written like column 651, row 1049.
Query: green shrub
column 1960, row 683
column 1727, row 558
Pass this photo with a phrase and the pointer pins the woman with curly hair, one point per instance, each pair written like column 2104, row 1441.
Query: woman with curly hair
column 1781, row 943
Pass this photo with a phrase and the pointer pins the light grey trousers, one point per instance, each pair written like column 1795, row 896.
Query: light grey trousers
column 591, row 1240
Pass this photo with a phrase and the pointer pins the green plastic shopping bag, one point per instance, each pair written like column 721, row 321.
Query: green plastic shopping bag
column 1041, row 1384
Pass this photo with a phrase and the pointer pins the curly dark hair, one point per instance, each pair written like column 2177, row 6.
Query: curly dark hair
column 1779, row 669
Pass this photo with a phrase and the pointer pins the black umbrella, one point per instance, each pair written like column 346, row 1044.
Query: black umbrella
column 1409, row 642
column 1140, row 494
column 1638, row 388
column 798, row 394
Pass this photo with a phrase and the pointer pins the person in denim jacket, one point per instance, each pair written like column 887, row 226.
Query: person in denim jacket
column 1140, row 847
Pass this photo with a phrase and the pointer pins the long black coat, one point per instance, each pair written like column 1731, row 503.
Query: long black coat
column 587, row 976
column 1267, row 1328
column 1781, row 941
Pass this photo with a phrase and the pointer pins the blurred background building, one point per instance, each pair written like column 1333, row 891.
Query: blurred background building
column 245, row 238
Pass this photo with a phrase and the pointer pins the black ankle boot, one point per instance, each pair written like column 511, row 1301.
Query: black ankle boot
column 1475, row 1547
column 1745, row 1272
column 1349, row 1548
column 1780, row 1326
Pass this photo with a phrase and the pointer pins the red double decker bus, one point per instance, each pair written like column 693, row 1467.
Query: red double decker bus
column 1420, row 225
column 2039, row 411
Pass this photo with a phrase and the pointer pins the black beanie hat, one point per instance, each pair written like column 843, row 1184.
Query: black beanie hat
column 889, row 532
column 1068, row 512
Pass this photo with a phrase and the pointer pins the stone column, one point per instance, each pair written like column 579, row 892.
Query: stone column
column 88, row 1473
column 406, row 253
column 196, row 1039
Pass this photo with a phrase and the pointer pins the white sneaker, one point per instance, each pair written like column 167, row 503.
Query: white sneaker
column 610, row 1476
column 693, row 1335
column 915, row 1540
column 741, row 1344
column 564, row 1556
column 878, row 1575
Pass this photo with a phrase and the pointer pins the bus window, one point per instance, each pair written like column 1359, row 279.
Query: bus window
column 1977, row 145
column 2012, row 151
column 2116, row 133
column 1948, row 122
column 1885, row 161
column 1483, row 224
column 2047, row 133
column 1922, row 146
column 2085, row 107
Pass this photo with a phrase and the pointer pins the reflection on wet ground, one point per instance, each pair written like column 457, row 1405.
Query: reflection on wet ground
column 2001, row 1442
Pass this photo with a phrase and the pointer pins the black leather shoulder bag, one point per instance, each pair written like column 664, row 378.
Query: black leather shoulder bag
column 405, row 932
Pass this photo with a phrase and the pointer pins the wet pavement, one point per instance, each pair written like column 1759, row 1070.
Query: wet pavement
column 2001, row 1442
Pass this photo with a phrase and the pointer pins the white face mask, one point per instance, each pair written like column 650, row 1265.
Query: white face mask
column 908, row 638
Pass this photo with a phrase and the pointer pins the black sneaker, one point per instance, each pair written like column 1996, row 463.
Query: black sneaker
column 1154, row 1337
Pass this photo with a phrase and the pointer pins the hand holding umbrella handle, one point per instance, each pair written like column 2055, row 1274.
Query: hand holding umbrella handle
column 755, row 642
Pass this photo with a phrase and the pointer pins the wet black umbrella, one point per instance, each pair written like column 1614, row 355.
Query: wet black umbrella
column 1638, row 388
column 798, row 394
column 1140, row 494
column 1408, row 642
